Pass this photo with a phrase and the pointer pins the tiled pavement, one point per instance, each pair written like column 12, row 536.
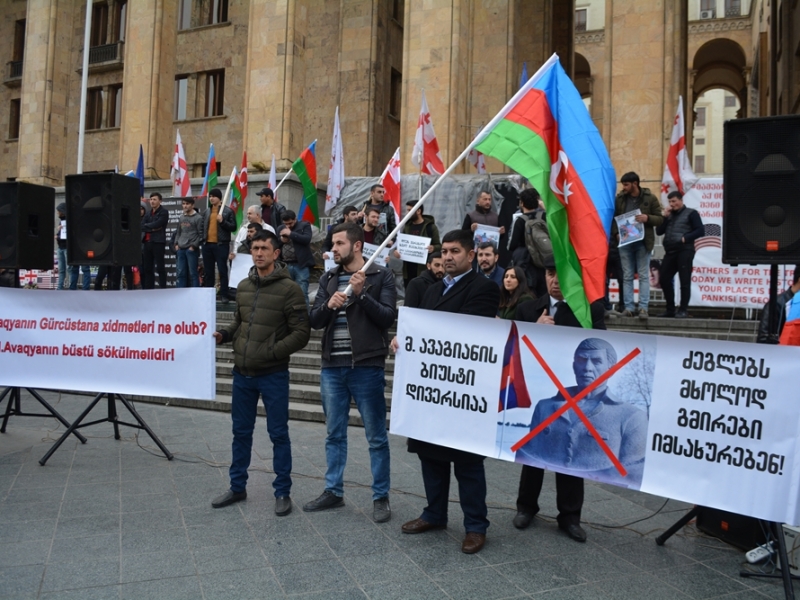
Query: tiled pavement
column 110, row 520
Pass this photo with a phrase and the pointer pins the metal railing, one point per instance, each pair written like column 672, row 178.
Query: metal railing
column 105, row 53
column 733, row 11
column 15, row 69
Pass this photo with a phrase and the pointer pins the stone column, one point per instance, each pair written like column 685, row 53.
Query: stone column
column 148, row 84
column 45, row 88
column 646, row 59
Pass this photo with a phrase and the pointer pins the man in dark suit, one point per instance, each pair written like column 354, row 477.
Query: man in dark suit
column 551, row 309
column 465, row 292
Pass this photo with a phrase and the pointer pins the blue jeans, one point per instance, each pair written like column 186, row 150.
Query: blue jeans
column 365, row 385
column 274, row 390
column 73, row 277
column 300, row 276
column 471, row 479
column 635, row 259
column 187, row 268
column 62, row 267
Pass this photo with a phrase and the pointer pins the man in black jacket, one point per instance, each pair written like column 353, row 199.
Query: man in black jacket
column 154, row 228
column 354, row 348
column 296, row 239
column 218, row 224
column 681, row 227
column 271, row 209
column 349, row 215
column 465, row 292
column 417, row 287
column 551, row 309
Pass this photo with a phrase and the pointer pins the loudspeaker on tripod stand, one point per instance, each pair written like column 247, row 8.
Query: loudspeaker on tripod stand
column 103, row 223
column 761, row 198
column 27, row 226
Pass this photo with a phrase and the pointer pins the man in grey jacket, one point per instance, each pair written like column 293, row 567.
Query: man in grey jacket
column 186, row 240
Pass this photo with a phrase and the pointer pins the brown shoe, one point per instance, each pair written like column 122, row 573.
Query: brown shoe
column 419, row 526
column 473, row 542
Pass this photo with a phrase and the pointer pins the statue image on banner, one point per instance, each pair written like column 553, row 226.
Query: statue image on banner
column 611, row 446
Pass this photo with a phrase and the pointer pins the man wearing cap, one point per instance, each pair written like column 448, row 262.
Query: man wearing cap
column 186, row 241
column 552, row 309
column 218, row 225
column 271, row 209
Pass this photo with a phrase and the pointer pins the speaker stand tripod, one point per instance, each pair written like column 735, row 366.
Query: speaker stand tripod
column 776, row 531
column 14, row 408
column 111, row 418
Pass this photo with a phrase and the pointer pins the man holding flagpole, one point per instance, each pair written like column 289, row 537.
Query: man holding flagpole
column 218, row 225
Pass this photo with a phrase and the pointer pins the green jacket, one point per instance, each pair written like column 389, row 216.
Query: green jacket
column 429, row 229
column 651, row 206
column 270, row 322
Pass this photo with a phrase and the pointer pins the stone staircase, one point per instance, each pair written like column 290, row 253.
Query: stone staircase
column 304, row 368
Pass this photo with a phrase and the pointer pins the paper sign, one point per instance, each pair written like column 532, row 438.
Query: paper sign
column 240, row 268
column 487, row 233
column 630, row 230
column 413, row 248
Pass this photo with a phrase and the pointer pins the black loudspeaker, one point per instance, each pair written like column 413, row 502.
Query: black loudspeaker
column 103, row 222
column 744, row 532
column 761, row 198
column 27, row 226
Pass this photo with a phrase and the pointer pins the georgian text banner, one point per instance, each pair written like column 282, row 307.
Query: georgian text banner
column 707, row 422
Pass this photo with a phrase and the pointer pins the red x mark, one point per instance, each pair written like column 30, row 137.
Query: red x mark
column 572, row 403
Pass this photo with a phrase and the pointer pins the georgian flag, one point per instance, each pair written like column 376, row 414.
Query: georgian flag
column 426, row 156
column 273, row 179
column 476, row 158
column 390, row 180
column 678, row 174
column 181, row 184
column 336, row 169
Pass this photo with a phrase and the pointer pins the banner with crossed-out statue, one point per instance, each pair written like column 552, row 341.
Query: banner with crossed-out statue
column 707, row 422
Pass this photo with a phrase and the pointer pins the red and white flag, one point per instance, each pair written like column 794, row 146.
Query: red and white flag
column 426, row 156
column 678, row 174
column 336, row 169
column 476, row 159
column 243, row 176
column 390, row 180
column 272, row 179
column 179, row 174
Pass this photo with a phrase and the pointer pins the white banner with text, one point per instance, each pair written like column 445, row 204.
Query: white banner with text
column 711, row 423
column 148, row 343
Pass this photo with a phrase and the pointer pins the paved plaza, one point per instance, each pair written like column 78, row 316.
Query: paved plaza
column 111, row 519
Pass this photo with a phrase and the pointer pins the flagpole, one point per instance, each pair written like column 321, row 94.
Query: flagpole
column 84, row 85
column 478, row 138
column 228, row 189
column 281, row 181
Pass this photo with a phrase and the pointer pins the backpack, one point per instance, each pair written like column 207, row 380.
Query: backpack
column 537, row 241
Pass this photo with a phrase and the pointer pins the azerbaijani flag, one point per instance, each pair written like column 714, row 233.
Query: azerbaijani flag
column 546, row 135
column 305, row 168
column 210, row 181
column 513, row 390
column 237, row 197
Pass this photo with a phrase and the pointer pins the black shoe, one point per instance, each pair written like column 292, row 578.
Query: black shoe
column 325, row 501
column 574, row 531
column 228, row 498
column 283, row 506
column 667, row 315
column 381, row 512
column 681, row 314
column 522, row 519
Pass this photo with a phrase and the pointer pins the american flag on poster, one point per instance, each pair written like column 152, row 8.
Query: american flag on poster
column 712, row 238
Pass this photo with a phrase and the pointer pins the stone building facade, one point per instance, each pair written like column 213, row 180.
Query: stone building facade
column 260, row 75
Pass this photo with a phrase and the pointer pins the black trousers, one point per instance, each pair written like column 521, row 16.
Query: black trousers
column 216, row 254
column 152, row 262
column 569, row 495
column 114, row 275
column 679, row 262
